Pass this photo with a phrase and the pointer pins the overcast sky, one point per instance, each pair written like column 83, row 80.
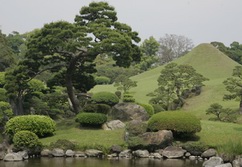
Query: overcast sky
column 200, row 20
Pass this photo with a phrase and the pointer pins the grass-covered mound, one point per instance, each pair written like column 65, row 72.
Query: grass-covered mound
column 41, row 125
column 178, row 122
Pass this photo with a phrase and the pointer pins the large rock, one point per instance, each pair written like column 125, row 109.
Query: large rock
column 24, row 154
column 114, row 124
column 57, row 152
column 125, row 154
column 213, row 161
column 93, row 153
column 128, row 112
column 161, row 138
column 224, row 165
column 13, row 157
column 45, row 153
column 209, row 153
column 172, row 152
column 141, row 153
column 70, row 153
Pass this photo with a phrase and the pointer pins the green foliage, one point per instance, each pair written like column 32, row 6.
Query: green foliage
column 3, row 96
column 195, row 148
column 157, row 108
column 63, row 144
column 102, row 80
column 5, row 113
column 148, row 108
column 26, row 140
column 230, row 148
column 181, row 123
column 173, row 81
column 124, row 84
column 150, row 46
column 222, row 114
column 2, row 79
column 105, row 98
column 118, row 94
column 91, row 119
column 97, row 108
column 135, row 128
column 41, row 125
column 128, row 98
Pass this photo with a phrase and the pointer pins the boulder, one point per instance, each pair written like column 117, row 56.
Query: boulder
column 116, row 149
column 57, row 152
column 13, row 157
column 161, row 138
column 209, row 153
column 141, row 153
column 172, row 152
column 2, row 154
column 224, row 165
column 157, row 156
column 192, row 158
column 128, row 112
column 45, row 153
column 70, row 153
column 114, row 124
column 80, row 154
column 213, row 161
column 24, row 154
column 93, row 153
column 125, row 153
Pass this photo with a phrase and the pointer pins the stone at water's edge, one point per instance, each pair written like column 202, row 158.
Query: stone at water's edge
column 57, row 152
column 224, row 165
column 128, row 112
column 13, row 157
column 172, row 152
column 45, row 153
column 141, row 153
column 70, row 153
column 209, row 153
column 213, row 161
column 93, row 153
column 125, row 153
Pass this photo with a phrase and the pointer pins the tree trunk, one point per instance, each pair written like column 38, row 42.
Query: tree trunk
column 17, row 106
column 240, row 107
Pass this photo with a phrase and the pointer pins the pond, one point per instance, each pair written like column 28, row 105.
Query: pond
column 94, row 162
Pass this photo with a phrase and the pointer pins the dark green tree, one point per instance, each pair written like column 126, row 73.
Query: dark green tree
column 173, row 82
column 70, row 49
column 234, row 86
column 124, row 83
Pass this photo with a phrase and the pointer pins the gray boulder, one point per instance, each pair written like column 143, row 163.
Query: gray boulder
column 157, row 156
column 141, row 153
column 80, row 154
column 45, row 153
column 70, row 153
column 209, row 153
column 224, row 165
column 213, row 161
column 24, row 154
column 128, row 112
column 161, row 138
column 114, row 124
column 13, row 157
column 172, row 152
column 93, row 153
column 125, row 154
column 57, row 152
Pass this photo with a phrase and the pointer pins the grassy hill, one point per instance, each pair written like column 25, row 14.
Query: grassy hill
column 208, row 61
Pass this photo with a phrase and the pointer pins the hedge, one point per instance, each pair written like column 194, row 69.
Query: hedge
column 41, row 125
column 178, row 122
column 91, row 119
column 105, row 98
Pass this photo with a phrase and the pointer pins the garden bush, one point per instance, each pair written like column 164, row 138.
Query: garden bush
column 97, row 108
column 105, row 98
column 41, row 125
column 128, row 98
column 148, row 108
column 5, row 113
column 118, row 94
column 91, row 119
column 180, row 123
column 26, row 140
column 101, row 80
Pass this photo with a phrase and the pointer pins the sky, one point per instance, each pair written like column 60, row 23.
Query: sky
column 202, row 21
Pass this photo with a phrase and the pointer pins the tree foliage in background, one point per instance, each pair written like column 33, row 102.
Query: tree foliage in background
column 173, row 46
column 234, row 86
column 173, row 83
column 124, row 83
column 69, row 51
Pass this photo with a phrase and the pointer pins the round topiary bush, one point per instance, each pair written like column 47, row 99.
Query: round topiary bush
column 41, row 125
column 105, row 98
column 101, row 80
column 26, row 140
column 128, row 98
column 148, row 108
column 97, row 108
column 177, row 121
column 91, row 119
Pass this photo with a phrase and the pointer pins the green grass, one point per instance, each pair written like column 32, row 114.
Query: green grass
column 83, row 137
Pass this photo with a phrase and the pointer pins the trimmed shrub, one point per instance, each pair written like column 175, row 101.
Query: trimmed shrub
column 91, row 119
column 180, row 123
column 105, row 98
column 41, row 125
column 118, row 94
column 101, row 80
column 97, row 108
column 148, row 108
column 63, row 144
column 157, row 108
column 128, row 98
column 26, row 140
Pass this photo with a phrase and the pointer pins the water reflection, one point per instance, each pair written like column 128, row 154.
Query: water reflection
column 94, row 162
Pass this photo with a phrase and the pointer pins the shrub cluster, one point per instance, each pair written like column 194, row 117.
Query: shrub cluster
column 105, row 98
column 40, row 125
column 128, row 98
column 180, row 123
column 26, row 140
column 97, row 108
column 101, row 80
column 91, row 119
column 148, row 108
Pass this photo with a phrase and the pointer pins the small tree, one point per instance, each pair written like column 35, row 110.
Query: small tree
column 234, row 86
column 124, row 83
